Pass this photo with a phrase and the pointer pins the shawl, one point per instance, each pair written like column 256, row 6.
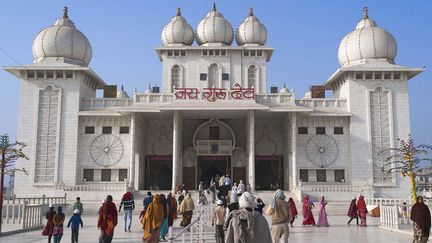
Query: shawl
column 59, row 218
column 108, row 217
column 261, row 229
column 187, row 205
column 153, row 217
column 321, row 205
column 239, row 227
column 352, row 211
column 163, row 201
column 234, row 196
column 279, row 194
column 127, row 196
column 172, row 206
column 420, row 214
column 305, row 206
column 293, row 207
column 361, row 204
column 247, row 200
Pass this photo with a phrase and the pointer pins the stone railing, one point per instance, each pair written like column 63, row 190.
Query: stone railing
column 122, row 186
column 153, row 98
column 393, row 201
column 322, row 103
column 272, row 99
column 330, row 188
column 44, row 200
column 389, row 217
column 28, row 216
column 88, row 103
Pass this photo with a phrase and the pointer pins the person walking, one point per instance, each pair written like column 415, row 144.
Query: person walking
column 107, row 220
column 74, row 222
column 421, row 216
column 186, row 209
column 294, row 212
column 218, row 220
column 260, row 206
column 222, row 180
column 245, row 225
column 172, row 209
column 164, row 225
column 280, row 212
column 128, row 205
column 322, row 213
column 78, row 205
column 200, row 188
column 308, row 218
column 152, row 221
column 227, row 181
column 49, row 215
column 234, row 203
column 352, row 211
column 362, row 211
column 241, row 188
column 147, row 200
column 58, row 220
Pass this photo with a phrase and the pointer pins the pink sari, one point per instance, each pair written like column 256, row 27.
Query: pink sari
column 308, row 218
column 322, row 214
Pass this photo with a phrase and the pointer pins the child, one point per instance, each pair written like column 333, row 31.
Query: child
column 75, row 221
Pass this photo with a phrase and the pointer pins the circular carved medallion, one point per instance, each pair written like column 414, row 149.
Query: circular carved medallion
column 106, row 150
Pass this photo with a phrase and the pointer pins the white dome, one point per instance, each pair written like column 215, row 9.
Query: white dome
column 64, row 40
column 177, row 31
column 367, row 43
column 284, row 90
column 251, row 31
column 121, row 93
column 214, row 29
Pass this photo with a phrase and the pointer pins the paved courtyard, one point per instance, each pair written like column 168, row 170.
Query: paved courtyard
column 338, row 232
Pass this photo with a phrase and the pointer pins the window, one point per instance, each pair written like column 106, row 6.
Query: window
column 216, row 52
column 122, row 174
column 106, row 175
column 211, row 52
column 304, row 175
column 339, row 175
column 39, row 74
column 175, row 77
column 259, row 53
column 30, row 74
column 223, row 52
column 252, row 76
column 359, row 75
column 246, row 53
column 225, row 76
column 203, row 76
column 50, row 74
column 320, row 130
column 183, row 53
column 378, row 75
column 396, row 75
column 88, row 175
column 387, row 75
column 426, row 179
column 170, row 53
column 124, row 130
column 252, row 53
column 368, row 75
column 213, row 76
column 59, row 74
column 69, row 74
column 89, row 130
column 214, row 133
column 321, row 176
column 302, row 130
column 338, row 130
column 204, row 52
column 106, row 130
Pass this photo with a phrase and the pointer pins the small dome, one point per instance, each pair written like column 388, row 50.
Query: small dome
column 251, row 31
column 122, row 94
column 366, row 43
column 284, row 90
column 177, row 31
column 214, row 29
column 64, row 40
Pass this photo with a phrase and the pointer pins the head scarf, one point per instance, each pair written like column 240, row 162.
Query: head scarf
column 352, row 211
column 361, row 204
column 293, row 207
column 153, row 217
column 420, row 214
column 306, row 202
column 127, row 196
column 279, row 194
column 247, row 200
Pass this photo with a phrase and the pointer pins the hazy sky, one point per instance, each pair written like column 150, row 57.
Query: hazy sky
column 305, row 35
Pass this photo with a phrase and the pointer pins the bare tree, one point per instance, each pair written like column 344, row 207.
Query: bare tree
column 409, row 160
column 10, row 152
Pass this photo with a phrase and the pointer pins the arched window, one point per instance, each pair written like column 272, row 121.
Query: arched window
column 252, row 76
column 213, row 76
column 175, row 77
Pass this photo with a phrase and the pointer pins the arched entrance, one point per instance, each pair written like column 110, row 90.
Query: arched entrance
column 211, row 167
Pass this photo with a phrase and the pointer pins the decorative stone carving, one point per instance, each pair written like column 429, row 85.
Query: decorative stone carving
column 189, row 157
column 162, row 145
column 322, row 150
column 265, row 145
column 106, row 150
column 238, row 158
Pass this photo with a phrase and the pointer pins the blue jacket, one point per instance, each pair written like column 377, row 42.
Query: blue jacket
column 75, row 221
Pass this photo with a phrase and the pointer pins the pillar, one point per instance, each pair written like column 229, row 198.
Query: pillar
column 177, row 145
column 132, row 152
column 294, row 166
column 251, row 150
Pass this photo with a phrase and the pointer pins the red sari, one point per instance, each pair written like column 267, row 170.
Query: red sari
column 293, row 207
column 308, row 218
column 362, row 211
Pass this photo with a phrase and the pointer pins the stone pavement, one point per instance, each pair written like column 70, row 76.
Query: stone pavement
column 338, row 232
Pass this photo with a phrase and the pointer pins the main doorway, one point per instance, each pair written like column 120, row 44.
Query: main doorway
column 158, row 172
column 268, row 172
column 209, row 167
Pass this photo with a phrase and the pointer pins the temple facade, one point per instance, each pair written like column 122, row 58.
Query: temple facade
column 214, row 114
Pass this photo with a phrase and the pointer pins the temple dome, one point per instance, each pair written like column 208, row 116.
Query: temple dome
column 367, row 43
column 62, row 40
column 177, row 31
column 214, row 28
column 251, row 31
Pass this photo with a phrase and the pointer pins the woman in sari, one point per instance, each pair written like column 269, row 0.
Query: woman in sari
column 152, row 220
column 362, row 211
column 308, row 218
column 186, row 209
column 172, row 209
column 322, row 214
column 420, row 215
column 48, row 231
column 294, row 212
column 352, row 211
column 164, row 226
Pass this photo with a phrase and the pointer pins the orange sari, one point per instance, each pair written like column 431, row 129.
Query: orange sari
column 152, row 219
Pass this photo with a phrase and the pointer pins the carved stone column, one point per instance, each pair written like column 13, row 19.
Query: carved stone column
column 177, row 151
column 251, row 149
column 294, row 166
column 132, row 152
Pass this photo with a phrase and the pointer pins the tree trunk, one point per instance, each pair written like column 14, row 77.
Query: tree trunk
column 413, row 185
column 1, row 189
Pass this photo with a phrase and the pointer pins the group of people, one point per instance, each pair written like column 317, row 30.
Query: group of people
column 55, row 220
column 358, row 210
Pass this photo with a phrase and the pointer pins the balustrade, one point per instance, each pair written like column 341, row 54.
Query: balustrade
column 322, row 103
column 389, row 217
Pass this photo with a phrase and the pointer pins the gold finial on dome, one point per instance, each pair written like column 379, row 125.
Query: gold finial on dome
column 365, row 13
column 178, row 13
column 65, row 12
column 214, row 7
column 250, row 11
